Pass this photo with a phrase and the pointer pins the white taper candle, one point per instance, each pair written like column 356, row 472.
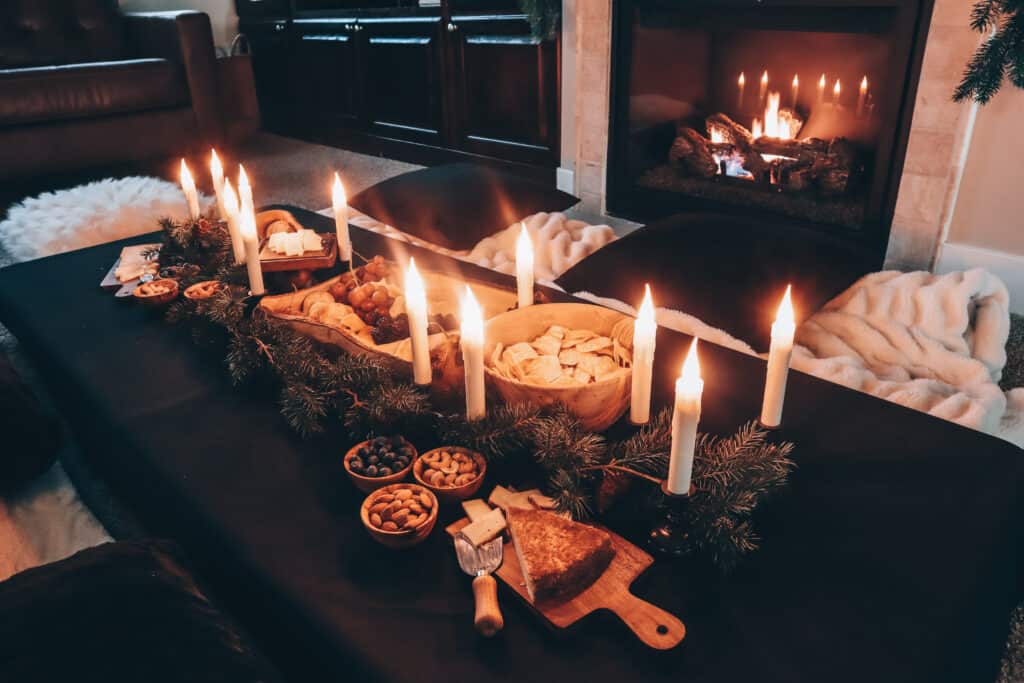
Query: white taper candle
column 685, row 418
column 472, row 342
column 340, row 203
column 783, row 331
column 644, row 331
column 416, row 309
column 188, row 186
column 524, row 267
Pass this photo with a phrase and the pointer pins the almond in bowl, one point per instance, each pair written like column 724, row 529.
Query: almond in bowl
column 453, row 473
column 399, row 515
column 201, row 291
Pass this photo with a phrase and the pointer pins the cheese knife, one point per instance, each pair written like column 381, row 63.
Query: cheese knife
column 481, row 563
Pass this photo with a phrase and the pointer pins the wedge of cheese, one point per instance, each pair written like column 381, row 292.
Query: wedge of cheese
column 485, row 528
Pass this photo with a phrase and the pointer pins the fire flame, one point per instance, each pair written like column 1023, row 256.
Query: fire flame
column 785, row 315
column 646, row 313
column 796, row 81
column 415, row 292
column 836, row 89
column 764, row 78
column 716, row 134
column 216, row 170
column 742, row 80
column 186, row 176
column 777, row 123
column 690, row 381
column 821, row 82
column 863, row 85
column 524, row 248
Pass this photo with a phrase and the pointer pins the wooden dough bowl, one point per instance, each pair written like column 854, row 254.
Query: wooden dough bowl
column 598, row 404
column 443, row 293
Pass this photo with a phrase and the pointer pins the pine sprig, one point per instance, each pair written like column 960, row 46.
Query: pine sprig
column 502, row 434
column 1001, row 54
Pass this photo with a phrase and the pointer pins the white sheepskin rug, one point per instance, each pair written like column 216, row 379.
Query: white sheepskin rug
column 83, row 216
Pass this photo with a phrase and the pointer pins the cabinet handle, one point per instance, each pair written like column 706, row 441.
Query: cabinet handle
column 279, row 26
column 452, row 28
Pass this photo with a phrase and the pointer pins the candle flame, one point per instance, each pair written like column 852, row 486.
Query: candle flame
column 690, row 379
column 243, row 179
column 524, row 247
column 864, row 85
column 836, row 89
column 821, row 82
column 764, row 77
column 215, row 167
column 742, row 80
column 230, row 198
column 338, row 197
column 796, row 81
column 785, row 314
column 186, row 175
column 472, row 318
column 415, row 292
column 646, row 312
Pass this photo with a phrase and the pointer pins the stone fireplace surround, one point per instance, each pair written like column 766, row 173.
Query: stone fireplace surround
column 936, row 151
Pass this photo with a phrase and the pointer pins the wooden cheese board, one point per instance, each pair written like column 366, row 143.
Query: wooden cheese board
column 654, row 626
column 325, row 257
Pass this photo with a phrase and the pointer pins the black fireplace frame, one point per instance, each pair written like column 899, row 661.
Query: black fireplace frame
column 910, row 27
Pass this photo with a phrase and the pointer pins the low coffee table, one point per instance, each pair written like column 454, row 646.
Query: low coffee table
column 891, row 556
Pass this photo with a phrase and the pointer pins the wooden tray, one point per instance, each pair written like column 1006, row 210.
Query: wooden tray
column 654, row 626
column 310, row 260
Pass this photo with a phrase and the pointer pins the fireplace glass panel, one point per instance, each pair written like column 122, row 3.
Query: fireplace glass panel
column 782, row 112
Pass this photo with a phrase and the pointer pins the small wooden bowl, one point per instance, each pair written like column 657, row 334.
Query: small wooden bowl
column 404, row 538
column 451, row 494
column 368, row 484
column 157, row 299
column 598, row 404
column 195, row 292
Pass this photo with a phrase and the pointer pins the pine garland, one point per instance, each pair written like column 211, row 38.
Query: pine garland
column 1000, row 56
column 317, row 385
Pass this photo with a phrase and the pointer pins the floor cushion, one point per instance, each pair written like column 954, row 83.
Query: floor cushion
column 457, row 205
column 31, row 435
column 727, row 271
column 120, row 612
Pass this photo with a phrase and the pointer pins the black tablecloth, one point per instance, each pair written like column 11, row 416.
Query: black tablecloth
column 891, row 557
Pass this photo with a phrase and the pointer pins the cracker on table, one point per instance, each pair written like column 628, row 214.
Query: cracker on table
column 595, row 344
column 569, row 357
column 543, row 369
column 546, row 346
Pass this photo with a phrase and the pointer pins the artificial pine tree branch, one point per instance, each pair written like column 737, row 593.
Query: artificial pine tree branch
column 1001, row 54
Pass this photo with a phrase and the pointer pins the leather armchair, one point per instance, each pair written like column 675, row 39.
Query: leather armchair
column 82, row 84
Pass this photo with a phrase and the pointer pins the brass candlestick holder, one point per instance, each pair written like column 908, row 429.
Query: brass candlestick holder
column 671, row 533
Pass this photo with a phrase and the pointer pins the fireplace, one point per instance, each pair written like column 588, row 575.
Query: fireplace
column 794, row 108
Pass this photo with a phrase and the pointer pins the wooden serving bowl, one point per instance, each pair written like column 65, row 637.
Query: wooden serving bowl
column 451, row 494
column 368, row 484
column 157, row 299
column 404, row 538
column 598, row 404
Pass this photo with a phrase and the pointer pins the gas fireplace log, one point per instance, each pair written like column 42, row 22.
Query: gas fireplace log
column 736, row 135
column 690, row 150
column 732, row 132
column 796, row 176
column 797, row 149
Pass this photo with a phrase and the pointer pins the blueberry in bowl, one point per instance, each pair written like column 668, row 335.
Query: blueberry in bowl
column 379, row 462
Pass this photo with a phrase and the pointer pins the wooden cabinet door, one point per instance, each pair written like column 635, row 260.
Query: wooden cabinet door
column 270, row 42
column 325, row 75
column 403, row 78
column 505, row 85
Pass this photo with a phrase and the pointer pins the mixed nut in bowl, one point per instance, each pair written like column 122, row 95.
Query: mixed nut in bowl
column 379, row 461
column 399, row 515
column 453, row 473
column 157, row 292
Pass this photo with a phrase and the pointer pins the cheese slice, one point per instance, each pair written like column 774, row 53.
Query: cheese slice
column 485, row 528
column 475, row 509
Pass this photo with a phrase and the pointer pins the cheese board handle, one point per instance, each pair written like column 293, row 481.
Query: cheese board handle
column 488, row 619
column 651, row 624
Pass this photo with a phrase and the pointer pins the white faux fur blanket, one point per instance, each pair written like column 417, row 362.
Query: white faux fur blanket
column 934, row 343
